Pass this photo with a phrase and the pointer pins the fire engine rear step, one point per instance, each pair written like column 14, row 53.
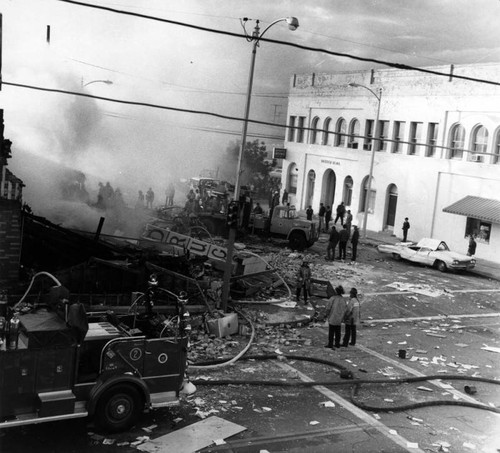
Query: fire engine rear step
column 79, row 411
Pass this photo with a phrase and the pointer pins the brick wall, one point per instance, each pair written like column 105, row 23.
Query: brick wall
column 10, row 242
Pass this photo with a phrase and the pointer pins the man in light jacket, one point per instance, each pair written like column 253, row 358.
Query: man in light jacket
column 335, row 311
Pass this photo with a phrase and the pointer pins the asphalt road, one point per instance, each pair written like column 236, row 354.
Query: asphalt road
column 442, row 321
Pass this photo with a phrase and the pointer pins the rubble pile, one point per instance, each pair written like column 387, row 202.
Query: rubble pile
column 267, row 340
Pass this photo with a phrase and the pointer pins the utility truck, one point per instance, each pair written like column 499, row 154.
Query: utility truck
column 286, row 223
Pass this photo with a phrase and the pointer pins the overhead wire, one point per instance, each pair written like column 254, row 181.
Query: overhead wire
column 249, row 120
column 287, row 43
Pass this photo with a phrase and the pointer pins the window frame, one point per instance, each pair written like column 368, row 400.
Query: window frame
column 340, row 132
column 368, row 138
column 301, row 129
column 326, row 132
column 292, row 127
column 414, row 137
column 476, row 146
column 432, row 137
column 353, row 139
column 456, row 151
column 314, row 130
column 398, row 136
column 382, row 134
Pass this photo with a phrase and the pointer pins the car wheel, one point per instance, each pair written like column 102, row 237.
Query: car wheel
column 396, row 256
column 297, row 241
column 118, row 408
column 441, row 266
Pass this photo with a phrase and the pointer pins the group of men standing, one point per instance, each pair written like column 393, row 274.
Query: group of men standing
column 339, row 238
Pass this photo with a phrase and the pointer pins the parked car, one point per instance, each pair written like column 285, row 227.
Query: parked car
column 430, row 252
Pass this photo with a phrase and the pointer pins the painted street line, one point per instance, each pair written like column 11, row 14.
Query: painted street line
column 397, row 438
column 410, row 370
column 454, row 291
column 269, row 441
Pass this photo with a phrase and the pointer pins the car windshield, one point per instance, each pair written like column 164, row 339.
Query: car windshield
column 442, row 247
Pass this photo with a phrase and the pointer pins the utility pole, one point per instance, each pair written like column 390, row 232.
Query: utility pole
column 1, row 53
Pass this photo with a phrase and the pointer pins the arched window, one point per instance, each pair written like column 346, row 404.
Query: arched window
column 314, row 130
column 364, row 196
column 496, row 149
column 347, row 195
column 292, row 177
column 457, row 137
column 353, row 141
column 479, row 142
column 327, row 136
column 340, row 132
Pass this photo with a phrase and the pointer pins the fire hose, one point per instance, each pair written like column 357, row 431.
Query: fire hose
column 354, row 383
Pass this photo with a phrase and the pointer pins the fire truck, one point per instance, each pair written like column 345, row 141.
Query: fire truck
column 58, row 361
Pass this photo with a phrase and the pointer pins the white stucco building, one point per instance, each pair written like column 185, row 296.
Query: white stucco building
column 436, row 150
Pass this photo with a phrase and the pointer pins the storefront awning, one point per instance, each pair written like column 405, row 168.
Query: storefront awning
column 477, row 208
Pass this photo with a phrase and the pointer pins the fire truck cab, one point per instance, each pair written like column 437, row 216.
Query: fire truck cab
column 59, row 362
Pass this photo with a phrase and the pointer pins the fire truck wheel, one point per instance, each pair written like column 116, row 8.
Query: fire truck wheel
column 118, row 408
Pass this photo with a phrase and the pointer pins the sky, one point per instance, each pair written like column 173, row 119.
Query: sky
column 171, row 65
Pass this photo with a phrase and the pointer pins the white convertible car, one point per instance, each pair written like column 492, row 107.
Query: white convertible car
column 430, row 252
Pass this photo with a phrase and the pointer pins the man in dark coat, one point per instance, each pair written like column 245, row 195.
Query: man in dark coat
column 406, row 227
column 328, row 218
column 309, row 213
column 303, row 281
column 354, row 242
column 333, row 240
column 472, row 246
column 340, row 214
column 321, row 215
column 343, row 238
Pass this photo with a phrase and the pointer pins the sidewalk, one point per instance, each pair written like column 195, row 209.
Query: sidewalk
column 485, row 268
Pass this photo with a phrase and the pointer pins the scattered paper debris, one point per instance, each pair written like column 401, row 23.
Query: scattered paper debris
column 327, row 404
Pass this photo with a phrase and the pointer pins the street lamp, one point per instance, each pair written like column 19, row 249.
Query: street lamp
column 293, row 24
column 107, row 82
column 372, row 160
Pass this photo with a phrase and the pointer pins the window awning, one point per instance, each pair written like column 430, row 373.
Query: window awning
column 477, row 208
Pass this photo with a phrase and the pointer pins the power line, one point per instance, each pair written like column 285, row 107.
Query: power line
column 234, row 118
column 140, row 104
column 289, row 44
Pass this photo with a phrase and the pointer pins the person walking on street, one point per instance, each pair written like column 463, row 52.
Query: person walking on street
column 309, row 213
column 328, row 218
column 336, row 309
column 472, row 246
column 321, row 215
column 304, row 281
column 333, row 240
column 352, row 318
column 354, row 242
column 343, row 238
column 340, row 214
column 406, row 227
